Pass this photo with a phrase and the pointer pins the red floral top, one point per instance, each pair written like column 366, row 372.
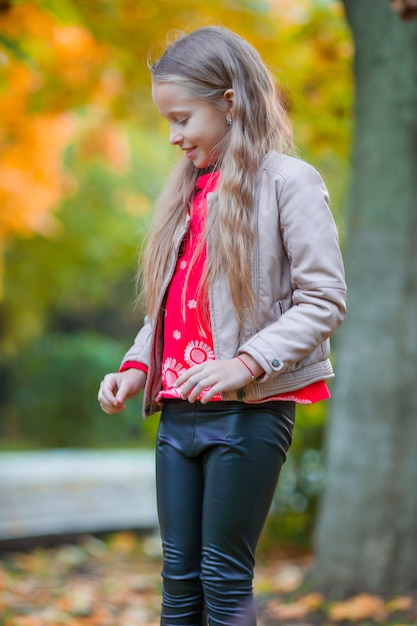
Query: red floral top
column 188, row 338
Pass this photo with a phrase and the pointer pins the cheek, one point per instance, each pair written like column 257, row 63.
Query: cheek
column 221, row 133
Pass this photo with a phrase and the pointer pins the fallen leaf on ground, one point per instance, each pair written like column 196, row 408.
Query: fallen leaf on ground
column 295, row 610
column 401, row 603
column 358, row 608
column 124, row 542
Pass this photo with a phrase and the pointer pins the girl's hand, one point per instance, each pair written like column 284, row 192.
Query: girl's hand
column 118, row 387
column 212, row 377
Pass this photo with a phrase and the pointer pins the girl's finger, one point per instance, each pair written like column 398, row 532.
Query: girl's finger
column 191, row 388
column 209, row 394
column 186, row 376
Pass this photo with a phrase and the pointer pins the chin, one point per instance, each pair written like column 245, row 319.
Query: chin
column 203, row 165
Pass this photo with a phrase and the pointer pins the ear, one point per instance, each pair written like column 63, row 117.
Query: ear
column 228, row 96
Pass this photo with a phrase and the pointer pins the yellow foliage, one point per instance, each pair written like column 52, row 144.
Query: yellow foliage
column 32, row 181
column 62, row 67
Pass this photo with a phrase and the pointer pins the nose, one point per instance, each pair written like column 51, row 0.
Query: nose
column 175, row 137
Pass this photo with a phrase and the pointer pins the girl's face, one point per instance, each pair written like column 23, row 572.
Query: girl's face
column 195, row 125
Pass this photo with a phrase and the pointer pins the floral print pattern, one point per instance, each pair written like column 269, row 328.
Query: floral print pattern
column 198, row 352
column 185, row 327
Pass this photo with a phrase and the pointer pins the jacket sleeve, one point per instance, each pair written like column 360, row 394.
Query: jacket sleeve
column 318, row 303
column 140, row 350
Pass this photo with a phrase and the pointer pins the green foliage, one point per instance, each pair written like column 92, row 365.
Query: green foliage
column 82, row 275
column 54, row 385
column 77, row 281
column 65, row 10
column 14, row 48
column 69, row 288
column 295, row 501
column 78, row 272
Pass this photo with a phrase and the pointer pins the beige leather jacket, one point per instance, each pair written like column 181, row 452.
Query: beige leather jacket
column 298, row 277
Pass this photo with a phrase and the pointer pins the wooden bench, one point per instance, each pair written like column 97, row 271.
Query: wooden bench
column 61, row 492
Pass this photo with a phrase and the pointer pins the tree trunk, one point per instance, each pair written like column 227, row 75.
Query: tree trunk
column 366, row 532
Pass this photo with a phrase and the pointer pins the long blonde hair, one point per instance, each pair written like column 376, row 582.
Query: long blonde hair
column 207, row 62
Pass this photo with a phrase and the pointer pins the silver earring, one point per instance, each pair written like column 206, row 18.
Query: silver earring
column 229, row 121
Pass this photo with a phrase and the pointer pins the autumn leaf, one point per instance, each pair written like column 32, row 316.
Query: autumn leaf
column 401, row 603
column 116, row 583
column 295, row 610
column 359, row 608
column 124, row 542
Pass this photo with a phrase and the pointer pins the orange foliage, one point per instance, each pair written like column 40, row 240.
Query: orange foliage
column 57, row 69
column 295, row 610
column 61, row 61
column 358, row 608
column 31, row 182
column 107, row 141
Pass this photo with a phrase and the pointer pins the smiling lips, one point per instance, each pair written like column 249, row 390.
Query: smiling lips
column 189, row 151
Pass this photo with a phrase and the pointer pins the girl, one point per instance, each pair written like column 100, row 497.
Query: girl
column 243, row 283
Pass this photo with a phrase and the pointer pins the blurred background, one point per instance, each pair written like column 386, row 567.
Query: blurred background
column 83, row 155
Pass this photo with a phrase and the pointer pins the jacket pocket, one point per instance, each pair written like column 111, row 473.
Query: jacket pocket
column 280, row 307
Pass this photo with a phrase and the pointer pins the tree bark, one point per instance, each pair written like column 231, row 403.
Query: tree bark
column 366, row 531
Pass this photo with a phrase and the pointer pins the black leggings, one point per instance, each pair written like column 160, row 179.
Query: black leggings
column 217, row 470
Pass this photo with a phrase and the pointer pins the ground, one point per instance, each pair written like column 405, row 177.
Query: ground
column 115, row 581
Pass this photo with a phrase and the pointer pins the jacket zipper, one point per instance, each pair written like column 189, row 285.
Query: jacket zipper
column 169, row 275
